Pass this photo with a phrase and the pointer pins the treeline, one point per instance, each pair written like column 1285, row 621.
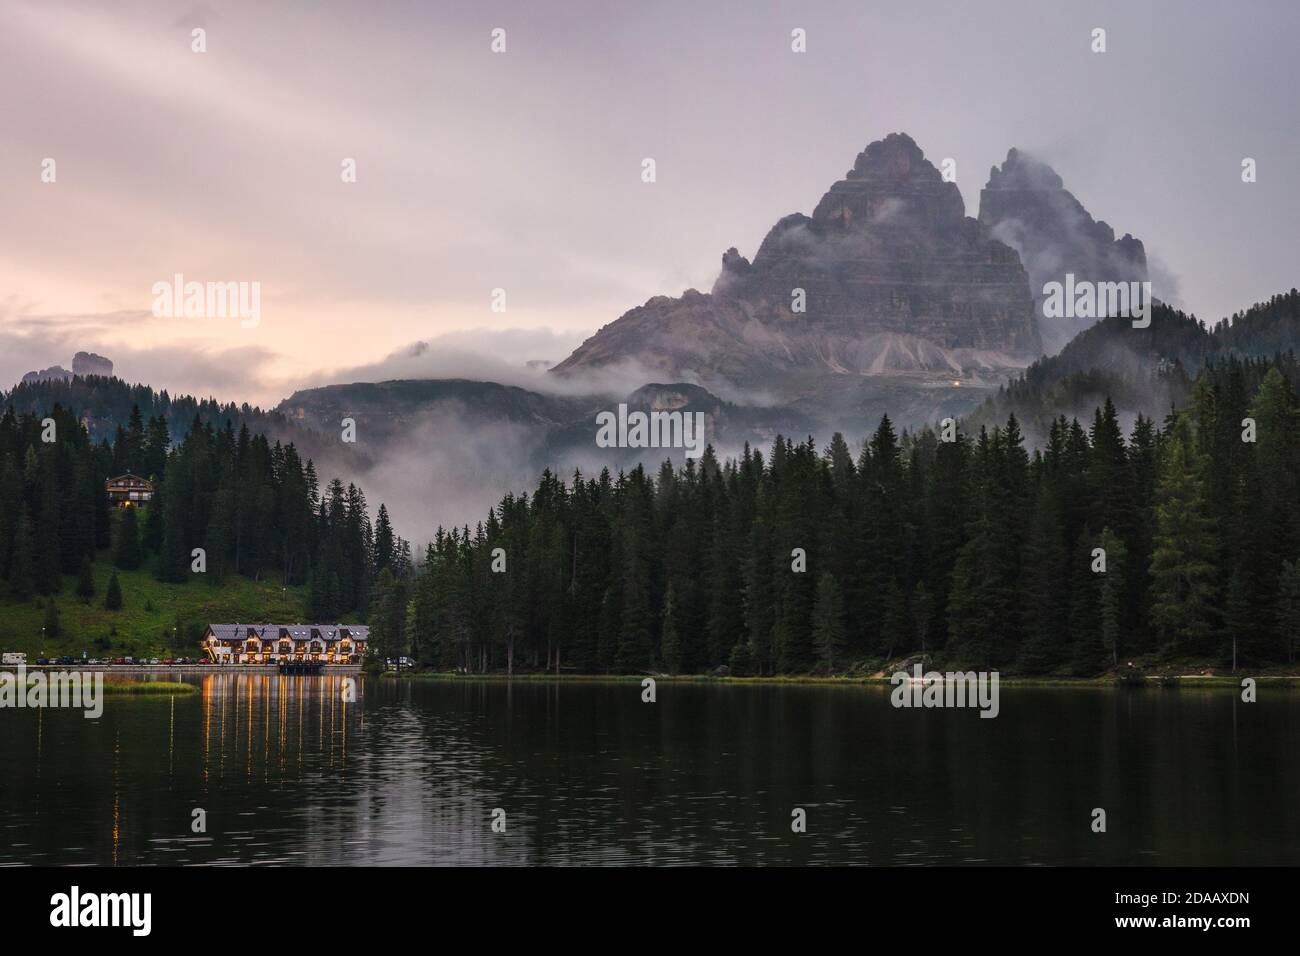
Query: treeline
column 1151, row 369
column 225, row 502
column 1181, row 540
column 106, row 403
column 1264, row 329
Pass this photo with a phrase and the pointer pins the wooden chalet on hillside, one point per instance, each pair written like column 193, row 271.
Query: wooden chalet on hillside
column 129, row 491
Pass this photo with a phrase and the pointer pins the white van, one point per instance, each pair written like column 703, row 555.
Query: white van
column 10, row 657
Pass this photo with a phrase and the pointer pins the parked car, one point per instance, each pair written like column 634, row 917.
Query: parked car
column 67, row 660
column 42, row 661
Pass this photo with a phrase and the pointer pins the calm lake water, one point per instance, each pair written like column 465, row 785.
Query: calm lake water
column 586, row 773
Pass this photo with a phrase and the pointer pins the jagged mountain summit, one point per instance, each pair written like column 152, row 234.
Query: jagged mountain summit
column 83, row 364
column 1026, row 205
column 887, row 277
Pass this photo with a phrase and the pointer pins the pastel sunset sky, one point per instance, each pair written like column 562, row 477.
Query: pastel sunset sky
column 521, row 170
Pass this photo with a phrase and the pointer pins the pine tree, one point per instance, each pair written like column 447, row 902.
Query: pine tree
column 670, row 645
column 1288, row 607
column 894, row 627
column 922, row 615
column 151, row 536
column 828, row 622
column 22, row 563
column 52, row 627
column 48, row 564
column 388, row 624
column 113, row 596
column 1046, row 580
column 740, row 663
column 219, row 542
column 174, row 549
column 384, row 545
column 156, row 442
column 86, row 579
column 126, row 549
column 1087, row 654
column 1111, row 594
column 1183, row 571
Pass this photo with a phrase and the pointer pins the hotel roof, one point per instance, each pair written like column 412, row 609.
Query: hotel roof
column 298, row 632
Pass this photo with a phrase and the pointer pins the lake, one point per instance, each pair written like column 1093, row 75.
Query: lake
column 586, row 773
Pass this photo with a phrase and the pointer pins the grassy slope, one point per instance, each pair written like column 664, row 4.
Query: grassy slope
column 142, row 632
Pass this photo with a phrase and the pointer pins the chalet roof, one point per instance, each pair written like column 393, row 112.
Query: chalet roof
column 129, row 477
column 298, row 632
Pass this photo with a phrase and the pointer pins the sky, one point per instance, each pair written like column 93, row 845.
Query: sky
column 522, row 170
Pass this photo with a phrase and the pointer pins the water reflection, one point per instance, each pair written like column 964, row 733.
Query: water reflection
column 289, row 770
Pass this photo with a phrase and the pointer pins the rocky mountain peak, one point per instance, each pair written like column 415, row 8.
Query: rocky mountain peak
column 887, row 277
column 1026, row 205
column 1022, row 171
column 891, row 180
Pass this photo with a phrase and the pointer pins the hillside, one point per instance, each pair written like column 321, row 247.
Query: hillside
column 1142, row 371
column 103, row 404
column 156, row 619
column 275, row 540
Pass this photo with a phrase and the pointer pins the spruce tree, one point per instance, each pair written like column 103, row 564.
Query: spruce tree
column 1111, row 594
column 388, row 624
column 48, row 564
column 384, row 545
column 52, row 627
column 86, row 579
column 922, row 616
column 1288, row 608
column 894, row 628
column 1046, row 582
column 1087, row 654
column 1184, row 577
column 670, row 645
column 126, row 547
column 22, row 562
column 828, row 623
column 113, row 596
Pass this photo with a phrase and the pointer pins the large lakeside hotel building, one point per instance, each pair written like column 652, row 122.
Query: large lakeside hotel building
column 285, row 643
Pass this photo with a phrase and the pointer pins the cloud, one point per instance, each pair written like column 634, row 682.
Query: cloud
column 200, row 366
column 497, row 355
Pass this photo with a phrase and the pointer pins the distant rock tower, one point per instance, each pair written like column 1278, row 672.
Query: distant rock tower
column 88, row 363
column 1027, row 206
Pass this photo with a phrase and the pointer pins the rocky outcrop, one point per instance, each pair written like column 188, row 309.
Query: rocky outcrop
column 1026, row 205
column 46, row 374
column 83, row 363
column 887, row 275
column 88, row 363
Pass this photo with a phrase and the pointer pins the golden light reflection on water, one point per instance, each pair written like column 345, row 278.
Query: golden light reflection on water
column 117, row 794
column 276, row 709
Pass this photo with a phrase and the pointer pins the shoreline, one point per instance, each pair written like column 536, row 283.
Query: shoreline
column 1109, row 680
column 267, row 670
column 136, row 670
